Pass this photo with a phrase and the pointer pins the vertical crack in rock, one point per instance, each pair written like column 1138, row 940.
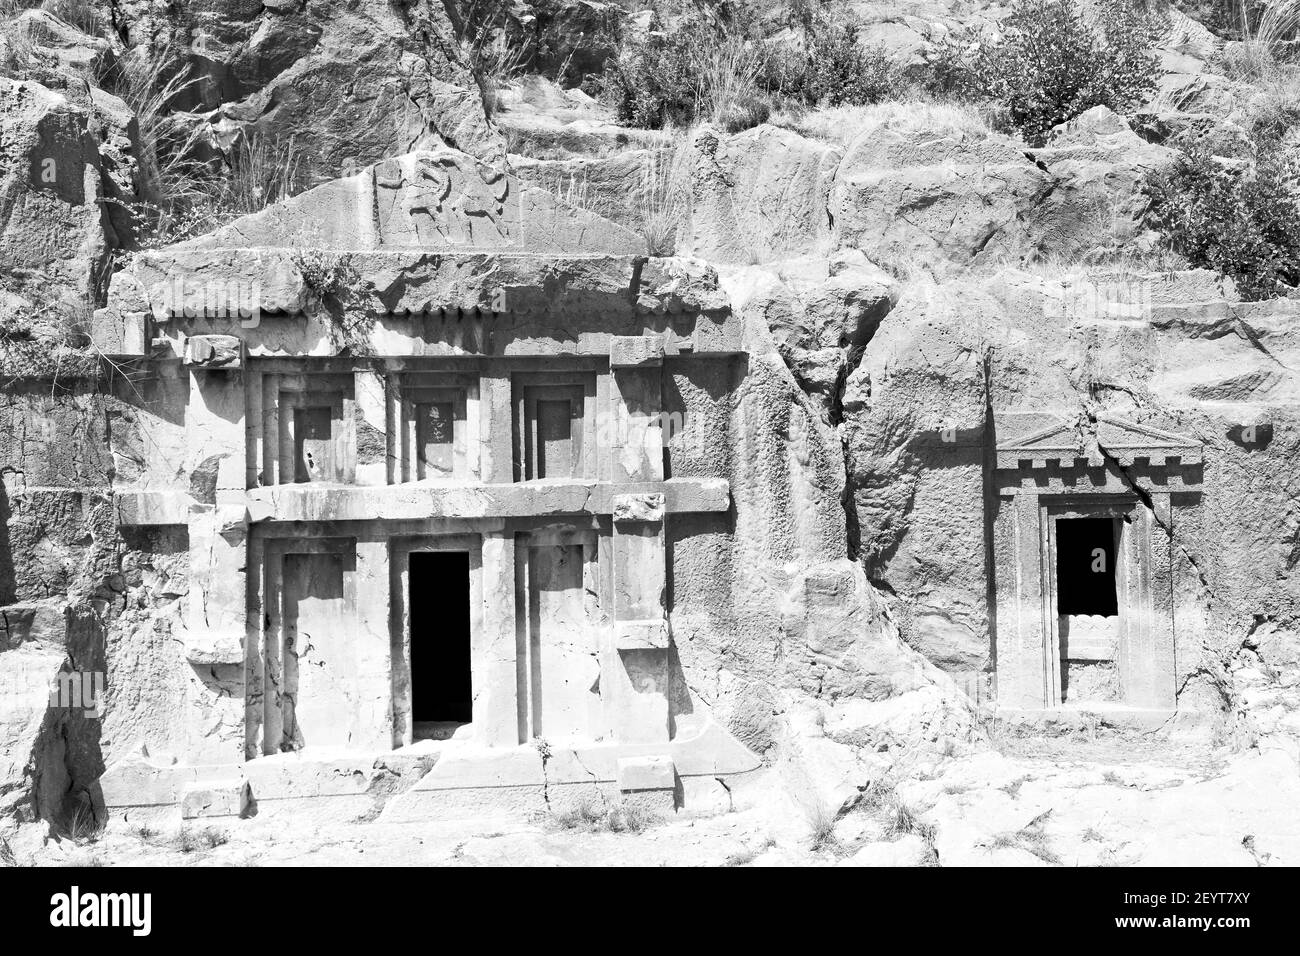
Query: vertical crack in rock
column 857, row 350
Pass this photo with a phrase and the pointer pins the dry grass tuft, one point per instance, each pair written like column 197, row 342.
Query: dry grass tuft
column 665, row 199
column 821, row 818
column 593, row 815
column 842, row 124
column 1259, row 55
column 726, row 84
column 78, row 13
column 1031, row 838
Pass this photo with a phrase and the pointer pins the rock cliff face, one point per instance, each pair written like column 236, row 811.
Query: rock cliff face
column 346, row 83
column 900, row 331
column 965, row 357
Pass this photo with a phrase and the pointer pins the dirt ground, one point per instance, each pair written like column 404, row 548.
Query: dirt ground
column 1105, row 802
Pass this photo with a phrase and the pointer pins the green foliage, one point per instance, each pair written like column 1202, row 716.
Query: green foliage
column 336, row 288
column 831, row 67
column 561, row 39
column 1239, row 220
column 654, row 82
column 708, row 67
column 1051, row 64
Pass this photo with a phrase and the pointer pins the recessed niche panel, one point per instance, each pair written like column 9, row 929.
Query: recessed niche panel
column 437, row 432
column 308, row 428
column 554, row 426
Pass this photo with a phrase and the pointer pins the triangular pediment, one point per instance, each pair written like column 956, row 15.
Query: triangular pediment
column 1111, row 437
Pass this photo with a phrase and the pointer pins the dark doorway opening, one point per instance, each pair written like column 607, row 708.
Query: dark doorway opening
column 1085, row 566
column 441, row 689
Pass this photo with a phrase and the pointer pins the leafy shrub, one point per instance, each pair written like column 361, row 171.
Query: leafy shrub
column 1051, row 64
column 832, row 68
column 1241, row 221
column 561, row 39
column 704, row 68
column 654, row 82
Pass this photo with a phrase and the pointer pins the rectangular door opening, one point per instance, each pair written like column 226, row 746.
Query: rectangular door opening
column 439, row 601
column 1087, row 607
column 1085, row 567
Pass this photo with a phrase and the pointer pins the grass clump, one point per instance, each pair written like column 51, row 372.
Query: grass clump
column 189, row 187
column 821, row 818
column 191, row 840
column 749, row 854
column 78, row 13
column 82, row 825
column 592, row 815
column 1031, row 838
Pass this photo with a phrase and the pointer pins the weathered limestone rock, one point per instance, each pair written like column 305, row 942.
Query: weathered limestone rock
column 73, row 50
column 347, row 84
column 927, row 199
column 550, row 124
column 821, row 313
column 907, row 850
column 215, row 798
column 54, row 234
column 1098, row 203
column 759, row 195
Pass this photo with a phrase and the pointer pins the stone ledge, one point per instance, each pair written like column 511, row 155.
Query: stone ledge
column 407, row 502
column 152, row 507
column 215, row 798
column 310, row 502
column 1075, row 716
column 646, row 773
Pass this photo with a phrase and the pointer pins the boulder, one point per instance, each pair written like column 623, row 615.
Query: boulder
column 938, row 200
column 759, row 195
column 542, row 120
column 55, row 236
column 907, row 850
column 1099, row 203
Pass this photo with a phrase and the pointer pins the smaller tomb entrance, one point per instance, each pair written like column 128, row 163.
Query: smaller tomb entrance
column 1085, row 572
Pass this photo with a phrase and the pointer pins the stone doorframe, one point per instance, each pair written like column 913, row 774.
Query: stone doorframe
column 1136, row 651
column 399, row 569
column 267, row 660
column 1119, row 469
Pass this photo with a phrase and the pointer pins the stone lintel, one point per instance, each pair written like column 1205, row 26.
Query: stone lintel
column 646, row 773
column 158, row 508
column 635, row 351
column 215, row 798
column 313, row 502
